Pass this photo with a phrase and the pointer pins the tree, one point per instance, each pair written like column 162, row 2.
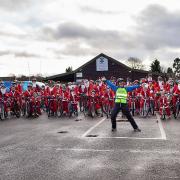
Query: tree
column 135, row 63
column 69, row 69
column 176, row 66
column 169, row 70
column 155, row 66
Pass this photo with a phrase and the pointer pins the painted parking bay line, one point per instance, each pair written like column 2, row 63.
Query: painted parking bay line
column 123, row 137
column 160, row 127
column 89, row 130
column 163, row 134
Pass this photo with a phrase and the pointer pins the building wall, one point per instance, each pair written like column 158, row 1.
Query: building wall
column 114, row 69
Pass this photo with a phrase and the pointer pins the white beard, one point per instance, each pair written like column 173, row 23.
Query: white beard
column 149, row 79
column 179, row 87
column 161, row 84
column 87, row 84
column 83, row 87
column 3, row 91
column 34, row 85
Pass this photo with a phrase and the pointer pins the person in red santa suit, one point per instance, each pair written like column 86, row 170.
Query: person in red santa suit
column 134, row 96
column 145, row 94
column 55, row 93
column 74, row 100
column 164, row 102
column 18, row 86
column 109, row 96
column 28, row 96
column 176, row 94
column 44, row 95
column 151, row 93
column 98, row 88
column 83, row 93
column 15, row 97
column 4, row 98
column 36, row 98
column 159, row 86
column 65, row 98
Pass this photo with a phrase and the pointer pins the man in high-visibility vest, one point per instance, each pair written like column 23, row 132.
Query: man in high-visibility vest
column 121, row 94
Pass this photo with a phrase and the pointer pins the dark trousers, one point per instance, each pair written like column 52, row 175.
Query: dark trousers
column 125, row 111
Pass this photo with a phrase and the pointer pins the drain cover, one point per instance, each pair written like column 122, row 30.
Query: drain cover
column 92, row 135
column 63, row 132
column 121, row 120
column 78, row 120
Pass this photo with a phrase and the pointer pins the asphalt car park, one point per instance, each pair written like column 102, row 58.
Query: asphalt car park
column 85, row 148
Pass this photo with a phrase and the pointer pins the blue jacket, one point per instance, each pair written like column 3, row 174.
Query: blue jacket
column 114, row 87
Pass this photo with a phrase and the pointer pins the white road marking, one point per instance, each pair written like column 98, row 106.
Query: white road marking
column 122, row 150
column 163, row 134
column 89, row 130
column 138, row 138
column 92, row 150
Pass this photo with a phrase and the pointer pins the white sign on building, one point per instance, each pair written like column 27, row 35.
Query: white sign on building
column 79, row 74
column 102, row 64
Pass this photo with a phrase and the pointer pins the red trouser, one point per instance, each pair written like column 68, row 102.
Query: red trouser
column 54, row 106
column 157, row 102
column 65, row 106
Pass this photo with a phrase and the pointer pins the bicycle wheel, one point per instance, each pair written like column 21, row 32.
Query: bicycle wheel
column 133, row 108
column 70, row 109
column 146, row 110
column 163, row 114
column 60, row 109
column 2, row 112
column 28, row 109
column 152, row 107
column 176, row 113
column 93, row 111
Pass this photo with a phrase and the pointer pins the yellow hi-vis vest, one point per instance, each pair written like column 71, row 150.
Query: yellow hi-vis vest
column 121, row 96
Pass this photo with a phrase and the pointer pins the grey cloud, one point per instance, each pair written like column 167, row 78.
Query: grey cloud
column 74, row 49
column 156, row 30
column 97, row 11
column 93, row 37
column 14, row 4
column 18, row 54
column 10, row 34
column 157, row 27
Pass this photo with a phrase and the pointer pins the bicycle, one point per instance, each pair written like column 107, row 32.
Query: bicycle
column 59, row 106
column 72, row 108
column 15, row 107
column 50, row 110
column 107, row 106
column 2, row 109
column 83, row 104
column 91, row 108
column 177, row 108
column 146, row 107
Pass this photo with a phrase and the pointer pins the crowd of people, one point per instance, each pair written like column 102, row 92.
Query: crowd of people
column 91, row 97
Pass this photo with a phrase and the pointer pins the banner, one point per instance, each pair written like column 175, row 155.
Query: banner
column 102, row 64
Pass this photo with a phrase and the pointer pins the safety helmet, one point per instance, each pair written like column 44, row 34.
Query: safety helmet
column 30, row 84
column 136, row 81
column 120, row 80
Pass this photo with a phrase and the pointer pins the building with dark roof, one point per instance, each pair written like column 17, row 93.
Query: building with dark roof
column 101, row 65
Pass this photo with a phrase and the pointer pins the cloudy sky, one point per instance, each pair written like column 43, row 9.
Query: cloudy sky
column 46, row 36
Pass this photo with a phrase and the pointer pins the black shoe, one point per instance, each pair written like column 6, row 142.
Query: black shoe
column 114, row 129
column 137, row 130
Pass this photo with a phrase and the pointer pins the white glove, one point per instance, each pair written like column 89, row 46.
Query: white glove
column 103, row 79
